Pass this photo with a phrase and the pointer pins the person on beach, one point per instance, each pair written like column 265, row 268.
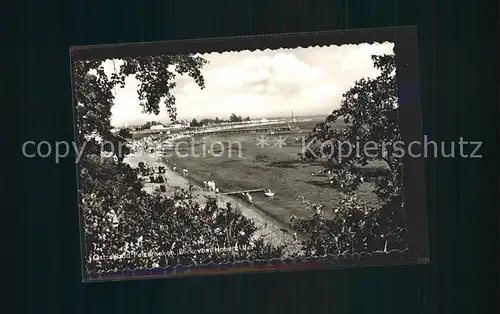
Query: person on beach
column 161, row 179
column 249, row 197
column 205, row 184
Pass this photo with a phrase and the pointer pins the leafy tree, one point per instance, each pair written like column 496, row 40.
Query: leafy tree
column 235, row 118
column 125, row 133
column 371, row 114
column 128, row 228
column 194, row 123
column 121, row 220
column 93, row 89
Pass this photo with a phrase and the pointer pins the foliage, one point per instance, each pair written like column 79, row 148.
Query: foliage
column 208, row 121
column 121, row 220
column 235, row 118
column 128, row 228
column 371, row 114
column 125, row 133
column 194, row 123
column 93, row 88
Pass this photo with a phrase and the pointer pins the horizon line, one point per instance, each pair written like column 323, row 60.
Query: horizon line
column 189, row 119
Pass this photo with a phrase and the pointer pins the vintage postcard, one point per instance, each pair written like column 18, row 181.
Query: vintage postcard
column 238, row 155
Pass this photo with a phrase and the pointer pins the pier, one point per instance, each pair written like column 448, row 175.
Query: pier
column 244, row 191
column 231, row 130
column 246, row 130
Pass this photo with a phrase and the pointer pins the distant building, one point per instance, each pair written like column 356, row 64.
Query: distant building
column 157, row 127
column 179, row 125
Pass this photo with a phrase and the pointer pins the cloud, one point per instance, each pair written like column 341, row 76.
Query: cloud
column 309, row 81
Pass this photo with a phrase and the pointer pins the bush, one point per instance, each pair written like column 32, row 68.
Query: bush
column 370, row 112
column 357, row 227
column 128, row 228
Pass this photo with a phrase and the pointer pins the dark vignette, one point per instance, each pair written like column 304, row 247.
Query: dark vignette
column 406, row 51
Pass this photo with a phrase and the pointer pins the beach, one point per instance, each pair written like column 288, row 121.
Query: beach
column 268, row 229
column 235, row 162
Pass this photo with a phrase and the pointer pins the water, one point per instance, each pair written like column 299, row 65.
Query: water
column 248, row 166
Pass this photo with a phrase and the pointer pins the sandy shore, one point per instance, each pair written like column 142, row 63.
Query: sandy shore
column 268, row 229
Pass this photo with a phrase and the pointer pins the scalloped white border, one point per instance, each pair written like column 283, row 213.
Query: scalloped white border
column 170, row 270
column 291, row 48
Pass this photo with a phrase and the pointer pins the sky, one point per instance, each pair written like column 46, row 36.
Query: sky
column 259, row 84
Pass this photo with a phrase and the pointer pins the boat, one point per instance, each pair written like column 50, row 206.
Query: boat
column 268, row 193
column 249, row 198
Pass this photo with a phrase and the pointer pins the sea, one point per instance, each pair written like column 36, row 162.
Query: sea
column 250, row 161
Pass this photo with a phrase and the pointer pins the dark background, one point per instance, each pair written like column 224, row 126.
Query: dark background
column 459, row 78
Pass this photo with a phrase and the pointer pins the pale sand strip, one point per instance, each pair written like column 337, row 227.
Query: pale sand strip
column 268, row 229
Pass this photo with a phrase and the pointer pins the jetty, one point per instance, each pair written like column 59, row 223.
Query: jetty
column 244, row 191
column 246, row 130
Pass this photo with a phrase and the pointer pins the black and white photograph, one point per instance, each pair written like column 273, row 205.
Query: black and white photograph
column 196, row 159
